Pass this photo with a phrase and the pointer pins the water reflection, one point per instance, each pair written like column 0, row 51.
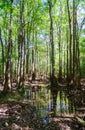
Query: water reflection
column 42, row 99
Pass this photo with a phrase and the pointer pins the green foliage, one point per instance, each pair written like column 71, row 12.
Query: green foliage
column 36, row 14
column 10, row 97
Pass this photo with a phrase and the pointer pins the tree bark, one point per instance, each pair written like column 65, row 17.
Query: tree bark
column 74, row 41
column 20, row 81
column 70, row 29
column 8, row 80
column 2, row 54
column 60, row 56
column 33, row 55
column 51, row 39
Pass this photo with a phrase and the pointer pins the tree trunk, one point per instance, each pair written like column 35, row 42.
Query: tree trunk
column 70, row 29
column 27, row 54
column 67, row 56
column 60, row 56
column 33, row 55
column 21, row 48
column 53, row 78
column 74, row 41
column 77, row 62
column 51, row 38
column 8, row 82
column 47, row 70
column 64, row 62
column 2, row 54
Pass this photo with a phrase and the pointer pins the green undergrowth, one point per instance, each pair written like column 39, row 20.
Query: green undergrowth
column 17, row 96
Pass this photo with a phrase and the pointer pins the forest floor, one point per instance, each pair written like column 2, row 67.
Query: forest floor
column 17, row 113
column 23, row 116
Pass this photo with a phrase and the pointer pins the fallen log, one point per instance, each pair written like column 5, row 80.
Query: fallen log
column 81, row 121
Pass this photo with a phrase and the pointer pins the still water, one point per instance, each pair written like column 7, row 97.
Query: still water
column 42, row 99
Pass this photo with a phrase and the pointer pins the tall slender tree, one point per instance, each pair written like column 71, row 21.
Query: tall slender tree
column 53, row 78
column 8, row 83
column 74, row 39
column 2, row 53
column 70, row 41
column 21, row 47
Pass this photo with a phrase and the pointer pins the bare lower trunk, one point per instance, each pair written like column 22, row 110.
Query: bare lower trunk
column 21, row 37
column 2, row 54
column 70, row 30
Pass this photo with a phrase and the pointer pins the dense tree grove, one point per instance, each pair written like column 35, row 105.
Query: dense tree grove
column 42, row 39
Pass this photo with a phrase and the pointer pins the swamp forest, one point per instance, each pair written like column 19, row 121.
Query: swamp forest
column 42, row 64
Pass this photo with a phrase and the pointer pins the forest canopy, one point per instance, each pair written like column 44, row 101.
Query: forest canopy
column 42, row 37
